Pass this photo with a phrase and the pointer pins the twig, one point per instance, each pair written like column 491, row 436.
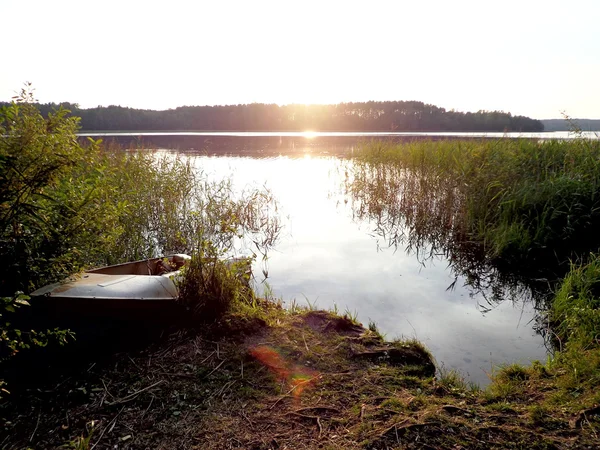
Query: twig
column 215, row 369
column 36, row 426
column 226, row 386
column 196, row 345
column 575, row 422
column 591, row 426
column 320, row 427
column 135, row 394
column 206, row 359
column 317, row 408
column 151, row 400
column 401, row 428
column 293, row 389
column 247, row 418
column 184, row 375
column 305, row 345
column 113, row 422
column 106, row 388
column 101, row 434
column 303, row 416
column 137, row 367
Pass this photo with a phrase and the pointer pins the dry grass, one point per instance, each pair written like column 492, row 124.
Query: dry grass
column 308, row 380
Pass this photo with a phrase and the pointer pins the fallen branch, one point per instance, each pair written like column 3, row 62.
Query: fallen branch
column 318, row 408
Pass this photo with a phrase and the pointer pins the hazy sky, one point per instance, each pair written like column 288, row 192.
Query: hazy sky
column 529, row 57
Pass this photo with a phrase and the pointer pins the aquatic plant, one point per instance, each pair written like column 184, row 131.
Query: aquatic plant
column 518, row 203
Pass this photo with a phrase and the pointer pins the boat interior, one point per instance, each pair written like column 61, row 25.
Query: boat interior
column 153, row 266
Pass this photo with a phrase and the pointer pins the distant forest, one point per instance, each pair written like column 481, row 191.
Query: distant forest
column 366, row 116
column 564, row 125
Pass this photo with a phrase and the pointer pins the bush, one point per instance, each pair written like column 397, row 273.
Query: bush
column 65, row 207
column 211, row 286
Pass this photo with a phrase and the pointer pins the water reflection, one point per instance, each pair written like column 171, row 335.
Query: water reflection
column 336, row 254
column 421, row 212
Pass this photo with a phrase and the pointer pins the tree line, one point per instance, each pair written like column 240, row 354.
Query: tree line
column 365, row 116
column 571, row 124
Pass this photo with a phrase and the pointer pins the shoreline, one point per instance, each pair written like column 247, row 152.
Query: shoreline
column 280, row 379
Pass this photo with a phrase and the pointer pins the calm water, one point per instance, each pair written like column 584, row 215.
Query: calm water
column 325, row 134
column 328, row 258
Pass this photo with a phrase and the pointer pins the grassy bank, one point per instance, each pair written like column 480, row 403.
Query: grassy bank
column 268, row 378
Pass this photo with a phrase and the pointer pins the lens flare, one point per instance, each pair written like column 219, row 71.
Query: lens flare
column 297, row 377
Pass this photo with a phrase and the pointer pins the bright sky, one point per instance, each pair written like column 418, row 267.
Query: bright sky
column 530, row 57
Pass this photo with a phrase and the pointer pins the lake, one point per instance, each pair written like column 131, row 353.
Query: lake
column 329, row 258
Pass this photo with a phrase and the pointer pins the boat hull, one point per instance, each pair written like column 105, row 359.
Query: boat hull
column 125, row 291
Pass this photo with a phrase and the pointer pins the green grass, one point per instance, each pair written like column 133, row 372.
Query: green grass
column 575, row 313
column 454, row 383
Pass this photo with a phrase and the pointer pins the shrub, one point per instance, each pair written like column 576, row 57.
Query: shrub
column 212, row 286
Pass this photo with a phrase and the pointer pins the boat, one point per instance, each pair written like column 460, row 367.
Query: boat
column 138, row 289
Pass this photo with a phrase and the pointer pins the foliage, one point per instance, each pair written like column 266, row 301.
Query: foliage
column 65, row 207
column 211, row 286
column 82, row 442
column 42, row 203
column 453, row 382
column 14, row 339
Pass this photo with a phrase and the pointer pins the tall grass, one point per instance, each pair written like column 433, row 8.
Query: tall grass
column 518, row 200
column 212, row 286
column 164, row 205
column 575, row 312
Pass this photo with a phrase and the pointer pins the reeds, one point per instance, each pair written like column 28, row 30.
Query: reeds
column 520, row 200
